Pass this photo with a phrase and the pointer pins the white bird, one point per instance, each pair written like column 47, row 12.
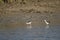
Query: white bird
column 46, row 22
column 47, row 26
column 29, row 24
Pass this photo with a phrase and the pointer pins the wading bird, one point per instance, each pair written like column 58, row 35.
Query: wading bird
column 47, row 24
column 29, row 24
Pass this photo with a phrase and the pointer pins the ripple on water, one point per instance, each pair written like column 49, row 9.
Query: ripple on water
column 35, row 33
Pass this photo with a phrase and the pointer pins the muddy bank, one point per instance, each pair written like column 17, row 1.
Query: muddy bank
column 18, row 13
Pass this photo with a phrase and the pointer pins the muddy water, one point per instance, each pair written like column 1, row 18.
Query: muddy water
column 12, row 28
column 35, row 33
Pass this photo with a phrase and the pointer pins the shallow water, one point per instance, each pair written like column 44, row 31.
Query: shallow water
column 35, row 33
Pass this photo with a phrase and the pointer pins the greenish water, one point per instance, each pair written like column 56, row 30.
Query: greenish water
column 35, row 33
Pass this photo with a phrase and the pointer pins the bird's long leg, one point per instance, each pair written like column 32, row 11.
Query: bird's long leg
column 47, row 26
column 30, row 26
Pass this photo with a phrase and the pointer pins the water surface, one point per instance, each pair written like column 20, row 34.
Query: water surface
column 35, row 33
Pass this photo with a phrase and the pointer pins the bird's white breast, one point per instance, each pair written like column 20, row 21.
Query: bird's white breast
column 28, row 23
column 46, row 22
